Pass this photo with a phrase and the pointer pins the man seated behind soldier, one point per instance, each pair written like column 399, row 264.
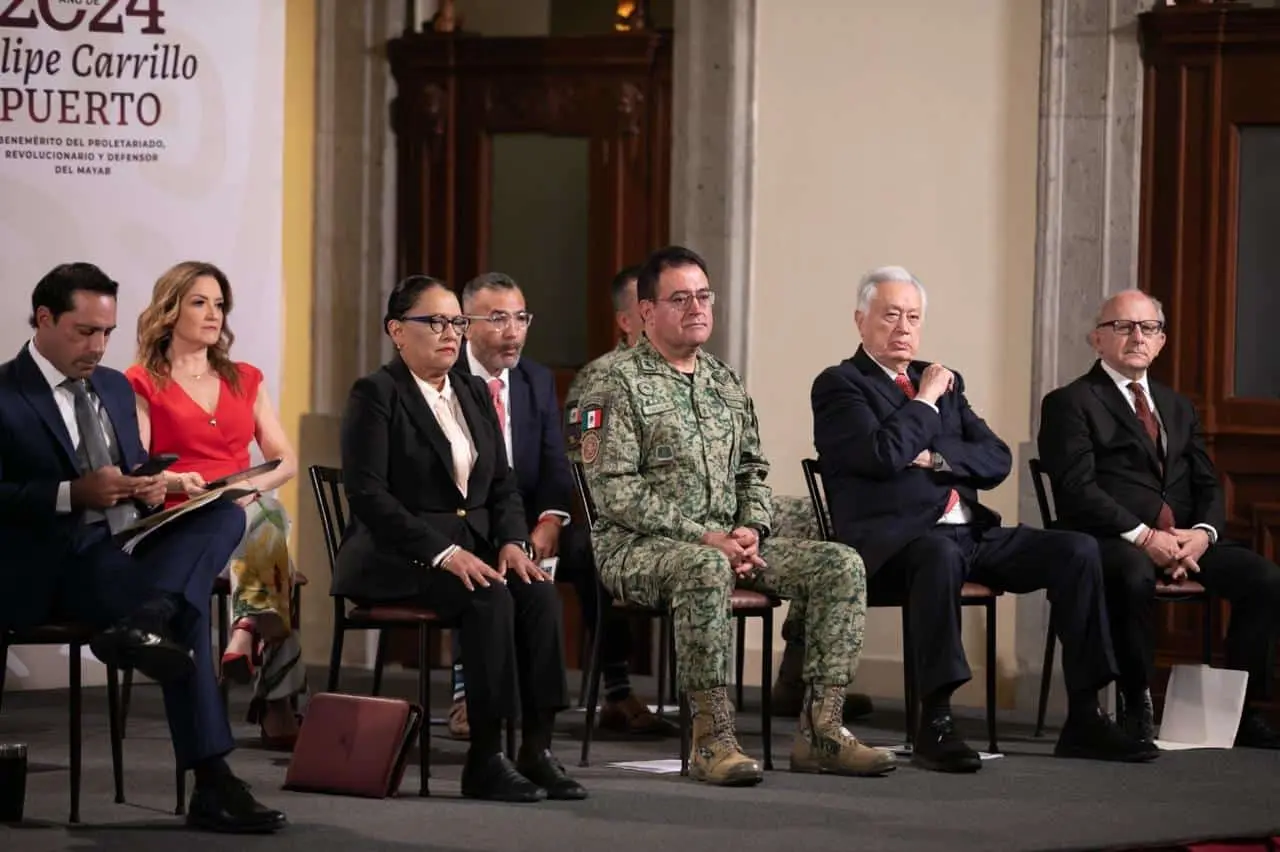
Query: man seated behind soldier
column 792, row 518
column 672, row 454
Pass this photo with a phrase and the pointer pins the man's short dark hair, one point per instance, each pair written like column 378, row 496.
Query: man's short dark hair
column 406, row 293
column 671, row 257
column 487, row 281
column 56, row 290
column 621, row 282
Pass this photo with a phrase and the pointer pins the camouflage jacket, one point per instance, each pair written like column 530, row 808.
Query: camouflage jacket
column 582, row 382
column 671, row 455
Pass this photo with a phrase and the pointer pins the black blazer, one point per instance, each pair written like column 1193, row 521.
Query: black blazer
column 1105, row 472
column 397, row 472
column 867, row 433
column 35, row 455
column 537, row 443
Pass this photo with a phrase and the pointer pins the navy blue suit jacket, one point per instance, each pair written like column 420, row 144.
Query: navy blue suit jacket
column 537, row 442
column 867, row 434
column 36, row 454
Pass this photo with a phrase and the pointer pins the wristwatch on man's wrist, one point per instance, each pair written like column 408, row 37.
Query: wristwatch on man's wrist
column 935, row 460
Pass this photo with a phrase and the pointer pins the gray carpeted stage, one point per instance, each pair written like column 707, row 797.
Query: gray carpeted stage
column 1025, row 800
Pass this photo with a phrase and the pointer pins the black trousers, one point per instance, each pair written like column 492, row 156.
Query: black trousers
column 577, row 566
column 929, row 572
column 514, row 651
column 1228, row 570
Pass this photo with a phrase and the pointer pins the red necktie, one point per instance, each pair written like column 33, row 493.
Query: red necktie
column 1147, row 418
column 495, row 393
column 904, row 382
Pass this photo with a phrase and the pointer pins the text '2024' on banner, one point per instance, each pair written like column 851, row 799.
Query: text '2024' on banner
column 32, row 73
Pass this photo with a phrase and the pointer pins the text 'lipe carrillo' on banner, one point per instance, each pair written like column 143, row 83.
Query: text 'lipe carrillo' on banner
column 43, row 84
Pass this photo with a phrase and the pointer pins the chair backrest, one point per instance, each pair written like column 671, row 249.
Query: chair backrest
column 818, row 497
column 584, row 494
column 326, row 485
column 1040, row 482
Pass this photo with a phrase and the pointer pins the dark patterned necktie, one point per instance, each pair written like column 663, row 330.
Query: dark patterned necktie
column 903, row 381
column 1147, row 418
column 94, row 450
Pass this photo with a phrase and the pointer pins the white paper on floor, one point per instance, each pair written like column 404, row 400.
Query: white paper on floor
column 667, row 709
column 1202, row 708
column 653, row 767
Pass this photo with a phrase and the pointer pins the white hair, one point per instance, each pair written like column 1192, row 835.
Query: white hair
column 884, row 275
column 1102, row 309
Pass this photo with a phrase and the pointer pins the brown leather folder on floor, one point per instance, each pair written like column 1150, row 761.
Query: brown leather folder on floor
column 353, row 745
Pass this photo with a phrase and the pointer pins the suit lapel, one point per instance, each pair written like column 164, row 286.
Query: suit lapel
column 1110, row 395
column 40, row 397
column 523, row 428
column 879, row 379
column 420, row 414
column 117, row 414
column 1176, row 433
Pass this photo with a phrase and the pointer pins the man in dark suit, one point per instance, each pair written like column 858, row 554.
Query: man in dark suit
column 437, row 521
column 524, row 396
column 1128, row 465
column 67, row 431
column 903, row 457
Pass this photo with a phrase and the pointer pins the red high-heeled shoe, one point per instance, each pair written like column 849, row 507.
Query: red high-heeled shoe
column 236, row 667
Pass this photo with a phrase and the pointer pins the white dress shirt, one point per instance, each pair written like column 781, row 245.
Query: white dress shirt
column 1139, row 532
column 461, row 444
column 960, row 513
column 66, row 403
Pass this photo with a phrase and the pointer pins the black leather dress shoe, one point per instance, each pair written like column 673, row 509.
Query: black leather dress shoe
column 544, row 770
column 939, row 748
column 494, row 778
column 1254, row 732
column 227, row 806
column 1136, row 716
column 1094, row 736
column 146, row 647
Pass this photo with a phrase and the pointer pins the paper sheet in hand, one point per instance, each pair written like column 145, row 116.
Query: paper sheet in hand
column 1202, row 708
column 129, row 537
column 247, row 473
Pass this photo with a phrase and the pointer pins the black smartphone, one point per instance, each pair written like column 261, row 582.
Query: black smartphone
column 154, row 465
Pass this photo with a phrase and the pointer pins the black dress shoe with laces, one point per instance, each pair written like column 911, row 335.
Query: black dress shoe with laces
column 939, row 748
column 142, row 644
column 543, row 769
column 1254, row 732
column 494, row 778
column 1094, row 736
column 226, row 806
column 1136, row 716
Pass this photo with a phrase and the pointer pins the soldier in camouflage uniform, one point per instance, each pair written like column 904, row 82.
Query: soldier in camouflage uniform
column 673, row 459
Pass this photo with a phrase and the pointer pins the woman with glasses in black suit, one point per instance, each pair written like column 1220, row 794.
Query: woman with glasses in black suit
column 437, row 521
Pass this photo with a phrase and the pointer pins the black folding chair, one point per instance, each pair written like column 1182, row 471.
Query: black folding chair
column 1179, row 591
column 971, row 594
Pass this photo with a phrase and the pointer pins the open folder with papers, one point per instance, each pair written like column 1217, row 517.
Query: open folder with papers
column 129, row 537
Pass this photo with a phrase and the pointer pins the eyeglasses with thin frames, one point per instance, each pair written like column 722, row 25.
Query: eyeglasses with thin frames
column 437, row 322
column 501, row 320
column 1124, row 328
column 682, row 300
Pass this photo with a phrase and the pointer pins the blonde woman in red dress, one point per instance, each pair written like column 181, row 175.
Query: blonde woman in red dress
column 195, row 402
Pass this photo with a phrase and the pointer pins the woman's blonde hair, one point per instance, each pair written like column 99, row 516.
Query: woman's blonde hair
column 155, row 325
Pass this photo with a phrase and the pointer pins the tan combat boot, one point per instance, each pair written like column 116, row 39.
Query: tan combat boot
column 824, row 744
column 716, row 757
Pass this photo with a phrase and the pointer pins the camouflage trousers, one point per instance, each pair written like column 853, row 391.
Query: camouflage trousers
column 793, row 518
column 827, row 579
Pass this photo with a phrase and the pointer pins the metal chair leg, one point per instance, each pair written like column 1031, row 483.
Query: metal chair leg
column 1046, row 678
column 593, row 695
column 335, row 658
column 911, row 700
column 117, row 734
column 766, row 690
column 991, row 675
column 662, row 665
column 126, row 701
column 77, row 698
column 740, row 663
column 424, row 698
column 380, row 659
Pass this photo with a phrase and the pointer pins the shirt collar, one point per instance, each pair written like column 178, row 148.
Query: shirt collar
column 51, row 374
column 433, row 395
column 1122, row 381
column 893, row 374
column 477, row 369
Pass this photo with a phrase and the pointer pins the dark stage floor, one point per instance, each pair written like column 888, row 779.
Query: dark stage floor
column 1025, row 800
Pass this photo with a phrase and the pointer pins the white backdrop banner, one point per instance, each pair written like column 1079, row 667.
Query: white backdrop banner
column 135, row 134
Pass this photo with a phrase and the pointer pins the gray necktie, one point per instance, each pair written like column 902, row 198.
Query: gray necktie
column 93, row 444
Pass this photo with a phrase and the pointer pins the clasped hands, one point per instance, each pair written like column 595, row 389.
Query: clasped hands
column 107, row 486
column 1177, row 551
column 742, row 546
column 474, row 571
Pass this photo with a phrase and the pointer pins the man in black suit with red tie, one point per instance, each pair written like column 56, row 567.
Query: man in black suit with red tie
column 903, row 457
column 1128, row 465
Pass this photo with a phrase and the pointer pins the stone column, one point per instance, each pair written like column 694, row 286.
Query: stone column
column 1087, row 242
column 712, row 155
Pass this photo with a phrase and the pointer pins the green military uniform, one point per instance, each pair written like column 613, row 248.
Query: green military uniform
column 582, row 383
column 668, row 458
